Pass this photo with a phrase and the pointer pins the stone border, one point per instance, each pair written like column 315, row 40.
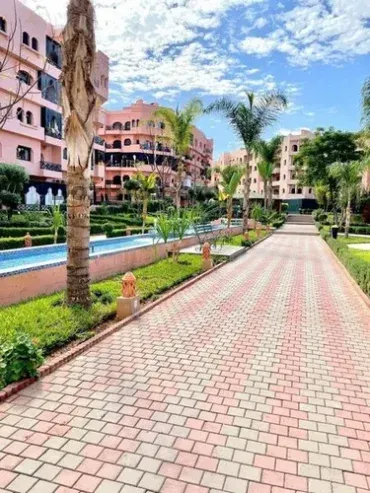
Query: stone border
column 352, row 281
column 64, row 358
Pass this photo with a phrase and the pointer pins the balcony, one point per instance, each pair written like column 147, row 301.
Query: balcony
column 45, row 165
column 99, row 140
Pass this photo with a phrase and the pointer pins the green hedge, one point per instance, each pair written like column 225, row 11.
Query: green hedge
column 10, row 243
column 123, row 232
column 359, row 230
column 356, row 266
column 21, row 232
column 96, row 229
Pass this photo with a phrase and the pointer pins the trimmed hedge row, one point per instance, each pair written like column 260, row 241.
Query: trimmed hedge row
column 356, row 266
column 123, row 232
column 21, row 232
column 10, row 243
column 24, row 224
column 359, row 230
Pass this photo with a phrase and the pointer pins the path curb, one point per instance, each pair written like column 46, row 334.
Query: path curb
column 59, row 361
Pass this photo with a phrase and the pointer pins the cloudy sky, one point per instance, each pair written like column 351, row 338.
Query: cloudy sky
column 318, row 51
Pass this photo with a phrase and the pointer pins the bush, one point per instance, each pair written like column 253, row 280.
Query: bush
column 284, row 207
column 19, row 358
column 359, row 230
column 21, row 232
column 356, row 266
column 10, row 243
column 123, row 232
column 108, row 228
column 96, row 229
column 246, row 243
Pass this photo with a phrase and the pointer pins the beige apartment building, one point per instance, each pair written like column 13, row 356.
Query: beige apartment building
column 285, row 186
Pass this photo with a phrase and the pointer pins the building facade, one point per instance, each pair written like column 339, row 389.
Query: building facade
column 285, row 185
column 32, row 135
column 135, row 139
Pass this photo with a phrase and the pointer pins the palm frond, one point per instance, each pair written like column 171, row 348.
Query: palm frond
column 366, row 104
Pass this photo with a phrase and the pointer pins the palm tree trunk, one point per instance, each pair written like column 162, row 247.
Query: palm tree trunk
column 145, row 212
column 246, row 198
column 348, row 217
column 79, row 100
column 229, row 211
column 270, row 193
column 265, row 193
column 180, row 170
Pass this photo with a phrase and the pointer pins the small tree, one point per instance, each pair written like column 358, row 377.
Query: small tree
column 349, row 176
column 269, row 153
column 132, row 186
column 147, row 187
column 366, row 105
column 58, row 221
column 230, row 177
column 12, row 181
column 164, row 228
column 9, row 201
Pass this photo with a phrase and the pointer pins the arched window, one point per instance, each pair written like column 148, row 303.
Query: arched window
column 162, row 125
column 117, row 180
column 295, row 148
column 2, row 24
column 29, row 118
column 310, row 190
column 128, row 126
column 284, row 177
column 299, row 190
column 133, row 124
column 254, row 180
column 137, row 123
column 126, row 178
column 26, row 38
column 65, row 153
column 20, row 114
column 137, row 142
column 25, row 77
column 127, row 142
column 51, row 92
column 117, row 144
column 35, row 44
column 283, row 190
column 293, row 190
column 117, row 126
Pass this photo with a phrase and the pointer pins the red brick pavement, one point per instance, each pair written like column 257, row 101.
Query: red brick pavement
column 255, row 379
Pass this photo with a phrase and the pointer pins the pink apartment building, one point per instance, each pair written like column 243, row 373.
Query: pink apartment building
column 33, row 135
column 285, row 183
column 135, row 139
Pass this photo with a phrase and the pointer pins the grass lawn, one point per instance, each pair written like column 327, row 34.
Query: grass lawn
column 236, row 240
column 52, row 324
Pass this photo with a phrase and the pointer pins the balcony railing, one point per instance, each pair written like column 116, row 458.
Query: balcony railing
column 51, row 166
column 99, row 140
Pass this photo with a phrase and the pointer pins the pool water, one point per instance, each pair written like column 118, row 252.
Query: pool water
column 15, row 261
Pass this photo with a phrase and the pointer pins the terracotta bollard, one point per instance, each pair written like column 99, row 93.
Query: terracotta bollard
column 129, row 303
column 258, row 230
column 207, row 259
column 28, row 240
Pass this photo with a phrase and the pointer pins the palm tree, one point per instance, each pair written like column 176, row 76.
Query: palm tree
column 132, row 186
column 268, row 152
column 58, row 221
column 79, row 102
column 248, row 122
column 366, row 104
column 147, row 186
column 180, row 124
column 349, row 176
column 230, row 179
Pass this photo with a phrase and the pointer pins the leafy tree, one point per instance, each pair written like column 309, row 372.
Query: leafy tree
column 180, row 124
column 321, row 192
column 366, row 105
column 349, row 177
column 316, row 156
column 230, row 177
column 147, row 184
column 249, row 122
column 79, row 106
column 202, row 194
column 268, row 153
column 12, row 181
column 132, row 186
column 58, row 221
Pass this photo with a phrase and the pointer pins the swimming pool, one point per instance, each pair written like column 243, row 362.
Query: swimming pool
column 25, row 259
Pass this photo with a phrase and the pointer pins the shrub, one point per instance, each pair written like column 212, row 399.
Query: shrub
column 108, row 228
column 19, row 358
column 115, row 233
column 21, row 232
column 284, row 207
column 247, row 243
column 96, row 229
column 359, row 230
column 10, row 243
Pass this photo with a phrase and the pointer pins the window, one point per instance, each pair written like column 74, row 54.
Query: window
column 65, row 153
column 53, row 52
column 49, row 87
column 128, row 126
column 117, row 126
column 284, row 177
column 254, row 180
column 25, row 77
column 29, row 118
column 24, row 153
column 310, row 190
column 117, row 144
column 26, row 38
column 162, row 126
column 127, row 142
column 284, row 162
column 20, row 114
column 283, row 190
column 126, row 178
column 52, row 122
column 295, row 148
column 133, row 124
column 137, row 142
column 286, row 148
column 35, row 44
column 299, row 190
column 137, row 123
column 2, row 24
column 293, row 190
column 255, row 168
column 117, row 180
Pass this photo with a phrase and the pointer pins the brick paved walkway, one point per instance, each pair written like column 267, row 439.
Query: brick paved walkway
column 254, row 380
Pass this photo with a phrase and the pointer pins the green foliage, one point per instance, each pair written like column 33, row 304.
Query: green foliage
column 116, row 233
column 164, row 227
column 12, row 178
column 53, row 324
column 96, row 229
column 180, row 224
column 246, row 243
column 58, row 220
column 284, row 207
column 10, row 243
column 19, row 358
column 356, row 262
column 108, row 228
column 9, row 200
column 257, row 212
column 366, row 105
column 21, row 232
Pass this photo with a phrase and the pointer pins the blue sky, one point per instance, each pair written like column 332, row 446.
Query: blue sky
column 169, row 51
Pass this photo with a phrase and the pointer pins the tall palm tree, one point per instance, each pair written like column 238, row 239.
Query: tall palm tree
column 180, row 124
column 349, row 176
column 79, row 100
column 366, row 104
column 268, row 152
column 230, row 179
column 248, row 122
column 148, row 185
